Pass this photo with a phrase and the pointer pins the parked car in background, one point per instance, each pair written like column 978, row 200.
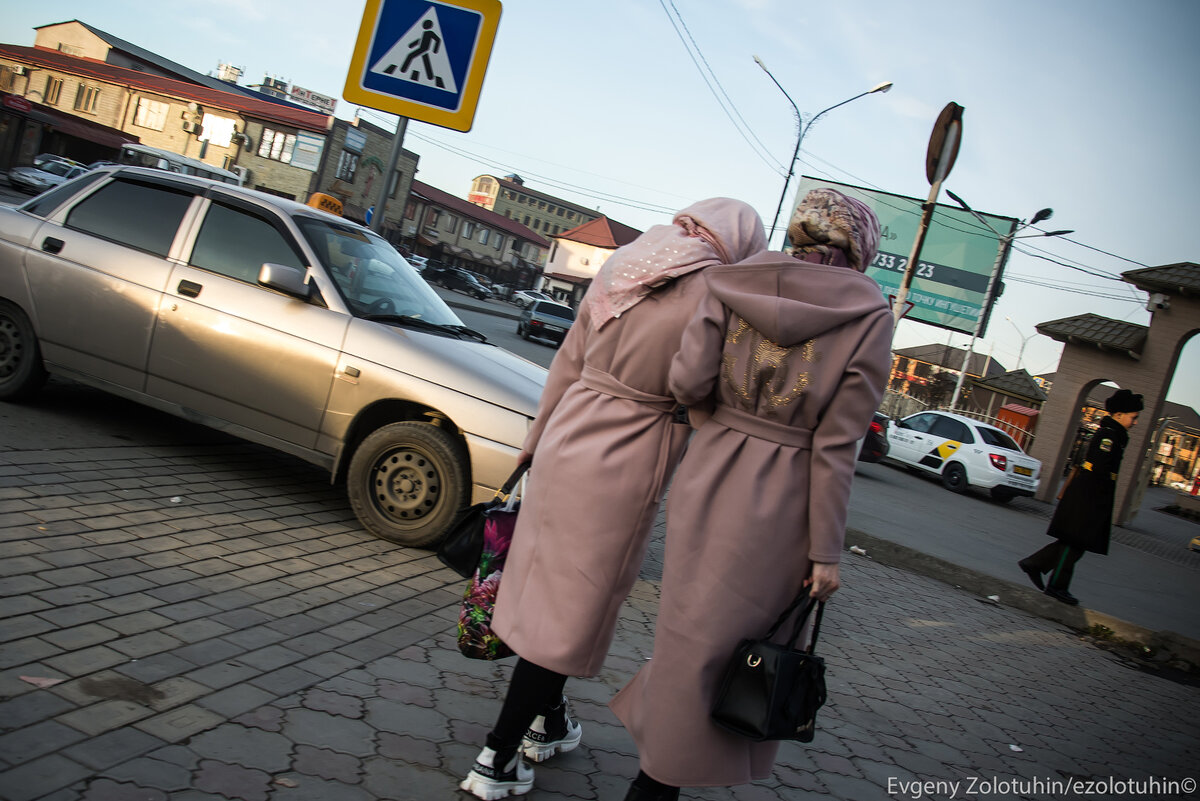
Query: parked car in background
column 874, row 446
column 459, row 280
column 965, row 453
column 545, row 319
column 524, row 297
column 46, row 172
column 270, row 320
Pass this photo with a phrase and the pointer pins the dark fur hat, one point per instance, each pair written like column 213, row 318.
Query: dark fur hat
column 1123, row 401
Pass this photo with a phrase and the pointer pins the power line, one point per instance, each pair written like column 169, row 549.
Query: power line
column 719, row 92
column 603, row 196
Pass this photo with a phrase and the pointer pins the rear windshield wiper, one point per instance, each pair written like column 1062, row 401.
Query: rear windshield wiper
column 410, row 321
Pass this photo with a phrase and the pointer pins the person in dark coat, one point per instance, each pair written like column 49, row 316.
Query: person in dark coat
column 1083, row 518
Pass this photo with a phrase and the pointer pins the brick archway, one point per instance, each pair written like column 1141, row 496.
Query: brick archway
column 1137, row 357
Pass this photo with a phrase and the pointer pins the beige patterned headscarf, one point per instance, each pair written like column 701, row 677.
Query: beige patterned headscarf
column 828, row 219
column 714, row 231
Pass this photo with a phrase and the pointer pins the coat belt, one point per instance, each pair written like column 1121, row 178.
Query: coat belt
column 602, row 382
column 761, row 428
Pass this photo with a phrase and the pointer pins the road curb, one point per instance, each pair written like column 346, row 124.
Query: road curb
column 1168, row 645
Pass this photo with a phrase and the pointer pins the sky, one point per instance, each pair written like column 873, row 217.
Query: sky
column 640, row 107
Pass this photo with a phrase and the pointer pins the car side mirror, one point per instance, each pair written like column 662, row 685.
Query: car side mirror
column 286, row 279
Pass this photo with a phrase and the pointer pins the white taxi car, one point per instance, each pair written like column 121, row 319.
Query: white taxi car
column 965, row 453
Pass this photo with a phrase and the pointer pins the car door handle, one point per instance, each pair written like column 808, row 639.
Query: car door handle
column 52, row 245
column 190, row 289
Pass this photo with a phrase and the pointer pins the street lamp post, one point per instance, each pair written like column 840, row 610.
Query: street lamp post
column 1021, row 352
column 1006, row 241
column 801, row 129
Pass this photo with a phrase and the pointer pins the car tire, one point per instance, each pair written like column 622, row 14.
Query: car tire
column 1002, row 495
column 21, row 370
column 954, row 478
column 522, row 332
column 408, row 482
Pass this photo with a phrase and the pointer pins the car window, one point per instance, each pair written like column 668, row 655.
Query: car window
column 56, row 167
column 45, row 204
column 918, row 422
column 369, row 273
column 237, row 243
column 554, row 310
column 951, row 429
column 142, row 216
column 998, row 439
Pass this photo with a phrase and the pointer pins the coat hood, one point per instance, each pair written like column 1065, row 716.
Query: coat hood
column 790, row 301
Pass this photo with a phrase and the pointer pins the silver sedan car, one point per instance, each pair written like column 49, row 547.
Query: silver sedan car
column 274, row 321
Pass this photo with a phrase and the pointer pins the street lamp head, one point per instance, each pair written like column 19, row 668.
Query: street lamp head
column 883, row 87
column 1059, row 233
column 1043, row 214
column 760, row 63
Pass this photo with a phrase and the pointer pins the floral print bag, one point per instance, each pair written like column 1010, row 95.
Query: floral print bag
column 475, row 636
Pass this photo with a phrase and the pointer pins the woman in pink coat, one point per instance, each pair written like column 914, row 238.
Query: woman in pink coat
column 604, row 444
column 795, row 351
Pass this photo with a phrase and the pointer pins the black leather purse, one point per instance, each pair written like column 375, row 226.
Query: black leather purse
column 459, row 550
column 772, row 691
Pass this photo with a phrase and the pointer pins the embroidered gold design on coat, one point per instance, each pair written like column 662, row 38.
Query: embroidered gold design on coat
column 763, row 379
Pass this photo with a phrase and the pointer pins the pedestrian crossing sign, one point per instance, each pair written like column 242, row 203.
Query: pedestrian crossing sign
column 423, row 59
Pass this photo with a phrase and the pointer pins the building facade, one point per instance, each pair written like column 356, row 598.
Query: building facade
column 352, row 168
column 75, row 72
column 458, row 233
column 544, row 214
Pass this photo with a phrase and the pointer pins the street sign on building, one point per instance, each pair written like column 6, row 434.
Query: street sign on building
column 423, row 59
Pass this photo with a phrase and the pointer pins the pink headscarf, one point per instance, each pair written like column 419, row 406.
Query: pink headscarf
column 826, row 218
column 711, row 232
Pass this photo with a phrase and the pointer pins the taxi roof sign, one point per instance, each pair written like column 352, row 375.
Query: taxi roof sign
column 423, row 59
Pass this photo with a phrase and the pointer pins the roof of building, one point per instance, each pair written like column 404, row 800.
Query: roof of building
column 1017, row 383
column 519, row 186
column 466, row 208
column 1102, row 332
column 169, row 87
column 173, row 68
column 1182, row 278
column 952, row 359
column 601, row 232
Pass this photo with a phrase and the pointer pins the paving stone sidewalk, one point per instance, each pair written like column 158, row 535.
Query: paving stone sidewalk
column 222, row 628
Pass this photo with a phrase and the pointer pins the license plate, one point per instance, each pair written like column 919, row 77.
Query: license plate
column 555, row 329
column 1022, row 471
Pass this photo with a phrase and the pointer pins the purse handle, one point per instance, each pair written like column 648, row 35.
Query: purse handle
column 809, row 602
column 509, row 485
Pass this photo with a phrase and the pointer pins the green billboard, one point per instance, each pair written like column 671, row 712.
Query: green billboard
column 951, row 278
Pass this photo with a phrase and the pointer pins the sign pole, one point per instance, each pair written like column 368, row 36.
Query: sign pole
column 385, row 185
column 939, row 159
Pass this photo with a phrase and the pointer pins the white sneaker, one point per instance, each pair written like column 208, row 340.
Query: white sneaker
column 490, row 783
column 554, row 733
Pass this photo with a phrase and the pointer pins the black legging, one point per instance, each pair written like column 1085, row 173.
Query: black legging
column 531, row 692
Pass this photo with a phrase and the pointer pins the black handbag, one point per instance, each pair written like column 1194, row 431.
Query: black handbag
column 459, row 550
column 772, row 691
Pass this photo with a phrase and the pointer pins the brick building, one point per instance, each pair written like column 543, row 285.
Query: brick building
column 544, row 214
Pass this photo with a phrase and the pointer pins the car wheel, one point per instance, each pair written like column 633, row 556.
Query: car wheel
column 521, row 332
column 954, row 477
column 21, row 370
column 408, row 482
column 1002, row 495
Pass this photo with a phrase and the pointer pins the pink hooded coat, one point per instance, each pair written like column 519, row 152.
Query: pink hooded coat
column 605, row 443
column 797, row 354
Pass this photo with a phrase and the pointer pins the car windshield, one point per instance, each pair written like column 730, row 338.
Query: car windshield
column 55, row 167
column 554, row 310
column 998, row 439
column 371, row 275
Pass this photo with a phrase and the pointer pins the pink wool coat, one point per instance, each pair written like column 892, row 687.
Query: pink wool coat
column 797, row 355
column 605, row 444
